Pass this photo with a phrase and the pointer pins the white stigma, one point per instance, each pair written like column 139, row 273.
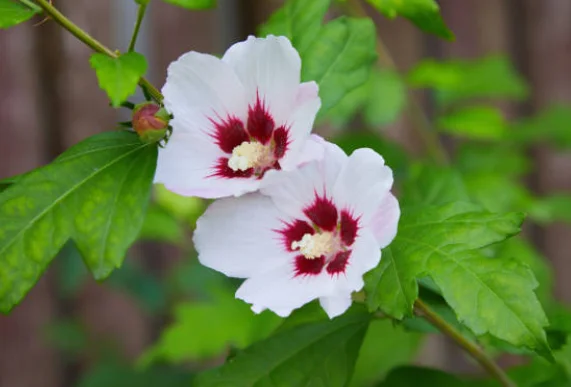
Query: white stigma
column 248, row 155
column 316, row 245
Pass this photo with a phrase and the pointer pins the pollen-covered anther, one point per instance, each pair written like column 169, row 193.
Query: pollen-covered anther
column 250, row 154
column 316, row 245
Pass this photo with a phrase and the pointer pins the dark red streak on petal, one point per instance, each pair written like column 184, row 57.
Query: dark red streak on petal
column 293, row 232
column 281, row 142
column 323, row 213
column 260, row 122
column 349, row 228
column 339, row 263
column 304, row 266
column 223, row 170
column 229, row 134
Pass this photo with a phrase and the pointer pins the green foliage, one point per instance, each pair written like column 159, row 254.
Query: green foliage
column 116, row 374
column 13, row 12
column 119, row 76
column 409, row 376
column 550, row 125
column 338, row 55
column 425, row 14
column 193, row 4
column 95, row 193
column 381, row 100
column 321, row 353
column 457, row 80
column 160, row 226
column 203, row 330
column 475, row 122
column 299, row 20
column 489, row 295
column 385, row 346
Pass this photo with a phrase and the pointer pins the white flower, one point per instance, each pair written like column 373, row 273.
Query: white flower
column 309, row 234
column 236, row 118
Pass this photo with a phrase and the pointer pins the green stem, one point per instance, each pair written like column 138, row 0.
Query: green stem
column 95, row 45
column 140, row 16
column 31, row 5
column 473, row 349
column 421, row 123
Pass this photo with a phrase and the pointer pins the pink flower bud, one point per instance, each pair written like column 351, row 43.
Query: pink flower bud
column 150, row 121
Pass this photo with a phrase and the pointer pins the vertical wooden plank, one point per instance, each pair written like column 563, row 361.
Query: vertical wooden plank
column 25, row 358
column 548, row 23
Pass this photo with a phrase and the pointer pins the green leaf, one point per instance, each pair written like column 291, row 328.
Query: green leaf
column 504, row 159
column 386, row 99
column 410, row 376
column 119, row 76
column 13, row 12
column 193, row 4
column 433, row 185
column 110, row 373
column 314, row 354
column 474, row 122
column 299, row 20
column 456, row 80
column 550, row 125
column 95, row 193
column 554, row 208
column 340, row 58
column 184, row 208
column 202, row 330
column 425, row 14
column 489, row 295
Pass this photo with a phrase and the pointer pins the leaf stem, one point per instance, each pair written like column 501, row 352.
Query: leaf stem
column 93, row 43
column 473, row 349
column 140, row 15
column 421, row 123
column 31, row 5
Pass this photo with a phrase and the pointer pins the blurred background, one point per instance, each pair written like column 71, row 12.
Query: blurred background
column 72, row 331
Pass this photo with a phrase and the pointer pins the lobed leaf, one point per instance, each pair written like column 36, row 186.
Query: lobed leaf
column 95, row 193
column 119, row 76
column 13, row 12
column 425, row 14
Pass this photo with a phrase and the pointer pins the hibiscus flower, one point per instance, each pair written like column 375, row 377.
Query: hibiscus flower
column 308, row 234
column 237, row 118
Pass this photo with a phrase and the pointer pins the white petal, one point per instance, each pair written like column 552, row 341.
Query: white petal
column 335, row 305
column 363, row 183
column 306, row 92
column 270, row 67
column 365, row 255
column 186, row 164
column 384, row 223
column 201, row 87
column 292, row 191
column 237, row 236
column 281, row 292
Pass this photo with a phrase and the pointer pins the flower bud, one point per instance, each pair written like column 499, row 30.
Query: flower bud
column 150, row 121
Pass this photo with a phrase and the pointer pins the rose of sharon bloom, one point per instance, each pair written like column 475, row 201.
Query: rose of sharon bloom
column 310, row 234
column 236, row 118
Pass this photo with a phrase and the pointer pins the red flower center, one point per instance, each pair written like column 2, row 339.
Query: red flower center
column 253, row 148
column 324, row 239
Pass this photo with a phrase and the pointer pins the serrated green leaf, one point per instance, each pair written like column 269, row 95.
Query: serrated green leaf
column 119, row 76
column 299, row 20
column 474, row 122
column 202, row 330
column 13, row 12
column 95, row 193
column 316, row 354
column 457, row 80
column 193, row 4
column 425, row 14
column 340, row 58
column 489, row 295
column 385, row 346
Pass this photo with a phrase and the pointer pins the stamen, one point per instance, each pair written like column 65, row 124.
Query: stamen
column 316, row 245
column 249, row 155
